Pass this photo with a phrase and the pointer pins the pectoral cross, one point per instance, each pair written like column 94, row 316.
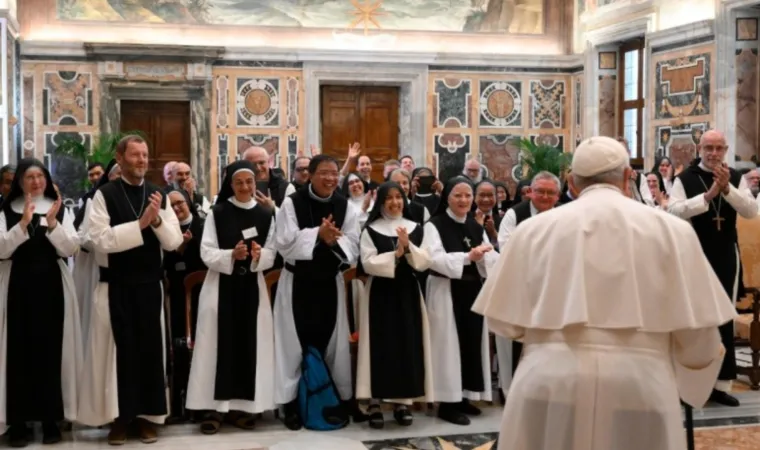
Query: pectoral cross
column 467, row 241
column 718, row 220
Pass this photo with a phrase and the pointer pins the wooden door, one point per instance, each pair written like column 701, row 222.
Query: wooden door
column 167, row 128
column 364, row 114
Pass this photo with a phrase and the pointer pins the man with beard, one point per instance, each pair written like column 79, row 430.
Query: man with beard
column 316, row 233
column 277, row 188
column 753, row 181
column 472, row 170
column 709, row 194
column 131, row 224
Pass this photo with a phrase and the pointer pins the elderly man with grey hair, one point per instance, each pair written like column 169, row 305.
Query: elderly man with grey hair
column 277, row 188
column 543, row 195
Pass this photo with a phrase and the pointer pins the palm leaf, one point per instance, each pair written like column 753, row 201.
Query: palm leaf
column 538, row 157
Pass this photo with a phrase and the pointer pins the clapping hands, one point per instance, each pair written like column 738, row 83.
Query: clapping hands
column 477, row 253
column 328, row 232
column 403, row 241
column 150, row 215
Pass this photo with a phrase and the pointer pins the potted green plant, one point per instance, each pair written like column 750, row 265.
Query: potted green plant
column 537, row 157
column 70, row 160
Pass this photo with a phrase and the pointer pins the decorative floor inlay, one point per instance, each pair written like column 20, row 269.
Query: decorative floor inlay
column 482, row 441
column 744, row 438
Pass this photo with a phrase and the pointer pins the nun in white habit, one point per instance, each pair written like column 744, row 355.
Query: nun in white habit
column 85, row 271
column 40, row 335
column 461, row 257
column 394, row 361
column 232, row 371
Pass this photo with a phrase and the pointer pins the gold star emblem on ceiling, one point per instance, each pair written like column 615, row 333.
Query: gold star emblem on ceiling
column 366, row 12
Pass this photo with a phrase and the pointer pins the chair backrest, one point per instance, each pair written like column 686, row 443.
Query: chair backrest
column 191, row 281
column 749, row 247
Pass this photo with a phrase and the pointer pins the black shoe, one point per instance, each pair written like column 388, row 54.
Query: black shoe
column 465, row 407
column 292, row 419
column 18, row 436
column 357, row 415
column 451, row 413
column 51, row 434
column 722, row 398
column 403, row 416
column 376, row 419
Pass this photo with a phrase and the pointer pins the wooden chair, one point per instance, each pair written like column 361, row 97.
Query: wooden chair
column 747, row 326
column 271, row 279
column 191, row 281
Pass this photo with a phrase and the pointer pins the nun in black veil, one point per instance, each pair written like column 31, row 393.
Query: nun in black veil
column 42, row 332
column 460, row 258
column 394, row 360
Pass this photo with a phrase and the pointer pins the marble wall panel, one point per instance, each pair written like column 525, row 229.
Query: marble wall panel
column 683, row 107
column 607, row 105
column 578, row 109
column 255, row 106
column 11, row 90
column 679, row 142
column 746, row 103
column 508, row 106
column 28, row 123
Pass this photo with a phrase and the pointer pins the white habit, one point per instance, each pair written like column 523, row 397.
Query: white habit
column 618, row 310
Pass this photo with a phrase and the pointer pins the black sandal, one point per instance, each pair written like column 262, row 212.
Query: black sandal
column 376, row 419
column 242, row 420
column 211, row 423
column 403, row 416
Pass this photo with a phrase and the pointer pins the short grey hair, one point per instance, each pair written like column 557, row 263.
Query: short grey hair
column 544, row 175
column 402, row 172
column 612, row 176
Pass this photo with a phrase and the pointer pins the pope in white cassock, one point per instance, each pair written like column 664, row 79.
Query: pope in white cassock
column 233, row 363
column 40, row 336
column 130, row 225
column 618, row 310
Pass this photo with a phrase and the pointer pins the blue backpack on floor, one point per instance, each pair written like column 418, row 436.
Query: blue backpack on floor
column 319, row 404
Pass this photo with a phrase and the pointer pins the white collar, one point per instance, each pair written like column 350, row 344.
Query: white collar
column 125, row 180
column 388, row 227
column 187, row 221
column 243, row 205
column 703, row 167
column 453, row 216
column 359, row 199
column 42, row 204
column 490, row 211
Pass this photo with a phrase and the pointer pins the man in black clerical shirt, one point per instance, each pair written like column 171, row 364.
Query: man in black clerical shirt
column 710, row 194
column 131, row 224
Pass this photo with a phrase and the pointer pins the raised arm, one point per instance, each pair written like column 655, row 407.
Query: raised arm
column 268, row 252
column 64, row 236
column 108, row 239
column 215, row 258
column 742, row 200
column 168, row 232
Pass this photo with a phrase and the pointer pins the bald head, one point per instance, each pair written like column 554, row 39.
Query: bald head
column 713, row 148
column 169, row 171
column 472, row 170
column 180, row 174
column 259, row 157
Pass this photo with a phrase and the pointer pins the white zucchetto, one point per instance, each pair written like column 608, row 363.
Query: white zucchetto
column 598, row 155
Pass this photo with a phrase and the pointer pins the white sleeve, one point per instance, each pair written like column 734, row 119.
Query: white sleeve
column 168, row 233
column 84, row 227
column 379, row 265
column 646, row 195
column 697, row 356
column 10, row 240
column 64, row 236
column 291, row 242
column 741, row 199
column 290, row 190
column 683, row 207
column 206, row 206
column 507, row 227
column 489, row 259
column 108, row 239
column 349, row 242
column 268, row 253
column 450, row 265
column 219, row 260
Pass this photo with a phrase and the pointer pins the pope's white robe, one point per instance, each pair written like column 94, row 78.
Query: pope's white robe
column 201, row 386
column 618, row 309
column 384, row 265
column 98, row 398
column 64, row 239
column 296, row 244
column 446, row 359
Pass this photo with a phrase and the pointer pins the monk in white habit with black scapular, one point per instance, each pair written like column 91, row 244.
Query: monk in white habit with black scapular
column 130, row 225
column 710, row 195
column 460, row 258
column 232, row 372
column 618, row 310
column 394, row 361
column 40, row 335
column 317, row 232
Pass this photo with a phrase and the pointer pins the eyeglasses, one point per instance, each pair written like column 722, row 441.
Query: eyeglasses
column 545, row 192
column 301, row 169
